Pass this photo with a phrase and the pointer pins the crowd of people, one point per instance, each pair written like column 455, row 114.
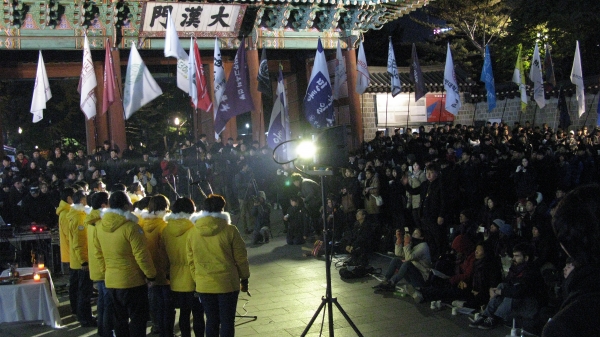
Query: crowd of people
column 473, row 204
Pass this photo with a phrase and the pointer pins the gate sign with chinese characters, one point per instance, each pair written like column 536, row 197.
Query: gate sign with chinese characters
column 192, row 19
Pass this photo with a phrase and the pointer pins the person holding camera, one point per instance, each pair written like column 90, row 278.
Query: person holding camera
column 262, row 219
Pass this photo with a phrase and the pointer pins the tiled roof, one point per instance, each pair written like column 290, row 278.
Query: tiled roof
column 434, row 81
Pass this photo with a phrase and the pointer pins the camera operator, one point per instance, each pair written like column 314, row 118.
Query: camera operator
column 37, row 208
column 262, row 219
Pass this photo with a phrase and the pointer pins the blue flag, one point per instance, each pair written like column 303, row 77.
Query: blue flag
column 236, row 99
column 318, row 102
column 487, row 76
column 279, row 126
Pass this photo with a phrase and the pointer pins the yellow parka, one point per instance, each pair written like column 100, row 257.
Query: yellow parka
column 90, row 222
column 174, row 239
column 153, row 225
column 63, row 229
column 216, row 254
column 122, row 250
column 78, row 250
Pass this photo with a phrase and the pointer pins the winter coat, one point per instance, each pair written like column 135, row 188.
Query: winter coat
column 174, row 239
column 419, row 255
column 78, row 250
column 370, row 202
column 91, row 220
column 63, row 228
column 122, row 250
column 216, row 254
column 464, row 272
column 579, row 312
column 415, row 180
column 153, row 225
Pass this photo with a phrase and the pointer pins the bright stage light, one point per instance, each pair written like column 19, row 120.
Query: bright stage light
column 306, row 149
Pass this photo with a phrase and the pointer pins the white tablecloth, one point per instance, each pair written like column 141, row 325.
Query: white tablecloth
column 29, row 301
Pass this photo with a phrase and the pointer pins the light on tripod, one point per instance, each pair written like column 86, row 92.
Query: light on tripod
column 306, row 149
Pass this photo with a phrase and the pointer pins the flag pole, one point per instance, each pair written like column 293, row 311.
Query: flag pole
column 504, row 109
column 474, row 114
column 440, row 116
column 408, row 115
column 590, row 109
column 534, row 113
column 387, row 97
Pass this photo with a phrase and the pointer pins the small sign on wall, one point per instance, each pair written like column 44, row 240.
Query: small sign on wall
column 192, row 19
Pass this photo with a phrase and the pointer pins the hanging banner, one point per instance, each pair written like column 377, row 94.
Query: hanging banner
column 192, row 19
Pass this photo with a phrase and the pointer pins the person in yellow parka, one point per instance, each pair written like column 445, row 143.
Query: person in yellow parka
column 123, row 253
column 80, row 275
column 218, row 260
column 66, row 201
column 153, row 223
column 99, row 201
column 174, row 239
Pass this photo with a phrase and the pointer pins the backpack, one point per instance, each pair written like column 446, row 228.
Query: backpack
column 352, row 272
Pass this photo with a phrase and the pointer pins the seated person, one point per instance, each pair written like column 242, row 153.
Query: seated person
column 463, row 271
column 412, row 264
column 359, row 241
column 262, row 219
column 517, row 295
column 298, row 222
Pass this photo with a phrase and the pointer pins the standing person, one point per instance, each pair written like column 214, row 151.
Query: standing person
column 174, row 239
column 298, row 222
column 310, row 191
column 576, row 224
column 218, row 260
column 153, row 223
column 122, row 252
column 80, row 280
column 245, row 191
column 66, row 202
column 99, row 201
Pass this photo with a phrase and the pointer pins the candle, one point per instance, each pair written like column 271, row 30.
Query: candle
column 40, row 266
column 36, row 277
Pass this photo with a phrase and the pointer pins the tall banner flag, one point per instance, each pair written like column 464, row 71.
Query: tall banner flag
column 535, row 74
column 197, row 80
column 264, row 81
column 453, row 103
column 487, row 76
column 140, row 86
column 363, row 78
column 318, row 102
column 340, row 72
column 549, row 68
column 87, row 83
column 108, row 95
column 174, row 49
column 218, row 83
column 519, row 79
column 41, row 91
column 416, row 75
column 577, row 79
column 279, row 126
column 392, row 69
column 236, row 99
column 565, row 118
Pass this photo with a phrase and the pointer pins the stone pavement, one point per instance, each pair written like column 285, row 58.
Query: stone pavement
column 287, row 288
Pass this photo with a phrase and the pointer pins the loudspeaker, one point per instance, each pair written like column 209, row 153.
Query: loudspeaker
column 332, row 147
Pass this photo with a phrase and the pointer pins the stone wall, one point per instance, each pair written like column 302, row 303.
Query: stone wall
column 509, row 110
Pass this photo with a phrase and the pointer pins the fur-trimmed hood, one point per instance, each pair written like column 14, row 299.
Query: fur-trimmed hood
column 81, row 208
column 113, row 218
column 178, row 223
column 151, row 221
column 210, row 224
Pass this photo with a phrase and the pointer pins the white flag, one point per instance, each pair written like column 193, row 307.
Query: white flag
column 340, row 72
column 191, row 73
column 140, row 86
column 450, row 86
column 41, row 91
column 87, row 83
column 219, row 82
column 362, row 82
column 173, row 48
column 392, row 69
column 535, row 74
column 577, row 79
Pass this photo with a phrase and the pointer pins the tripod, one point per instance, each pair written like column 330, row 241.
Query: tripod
column 328, row 299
